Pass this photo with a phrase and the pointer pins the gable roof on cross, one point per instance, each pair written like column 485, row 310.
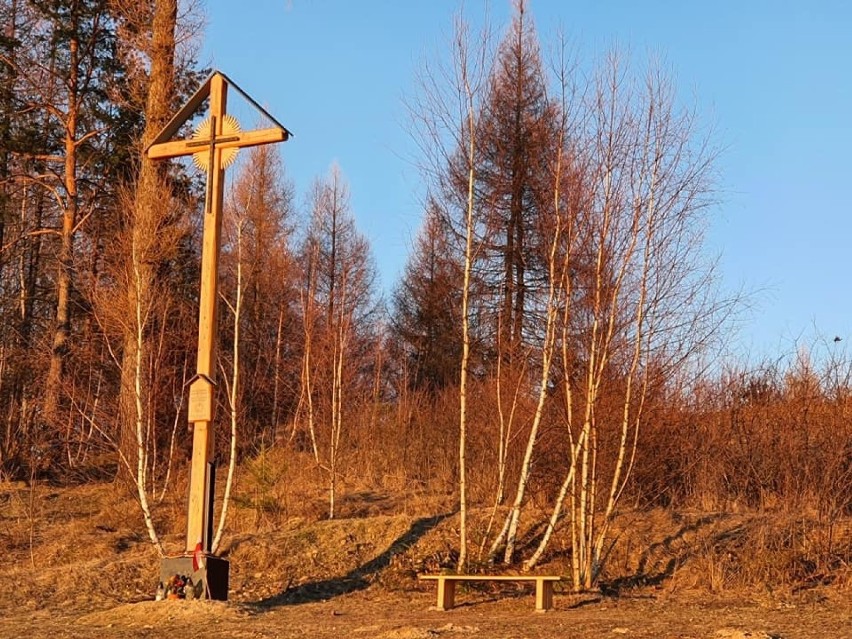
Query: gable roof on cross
column 163, row 146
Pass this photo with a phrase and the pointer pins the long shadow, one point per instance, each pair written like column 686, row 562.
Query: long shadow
column 584, row 602
column 531, row 539
column 355, row 580
column 648, row 573
column 667, row 543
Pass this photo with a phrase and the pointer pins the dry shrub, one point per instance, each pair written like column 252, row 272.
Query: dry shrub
column 779, row 553
column 745, row 553
column 411, row 444
column 770, row 438
column 720, row 553
column 281, row 482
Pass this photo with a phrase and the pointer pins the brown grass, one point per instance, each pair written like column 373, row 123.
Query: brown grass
column 84, row 547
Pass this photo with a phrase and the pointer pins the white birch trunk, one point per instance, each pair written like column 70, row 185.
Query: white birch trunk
column 233, row 393
column 141, row 451
column 468, row 257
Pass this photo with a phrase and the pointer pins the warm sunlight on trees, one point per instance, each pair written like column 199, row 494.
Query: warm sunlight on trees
column 548, row 364
column 445, row 121
column 587, row 211
column 257, row 285
column 337, row 289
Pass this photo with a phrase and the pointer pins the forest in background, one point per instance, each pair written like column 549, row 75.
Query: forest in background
column 551, row 352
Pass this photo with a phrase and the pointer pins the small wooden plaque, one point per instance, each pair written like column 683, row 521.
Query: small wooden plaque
column 201, row 400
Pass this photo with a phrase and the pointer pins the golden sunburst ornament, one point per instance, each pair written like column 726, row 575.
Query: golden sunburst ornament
column 230, row 127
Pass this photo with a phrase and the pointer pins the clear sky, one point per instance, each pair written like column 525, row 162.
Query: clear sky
column 773, row 77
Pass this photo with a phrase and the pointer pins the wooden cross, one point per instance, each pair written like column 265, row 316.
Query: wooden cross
column 212, row 151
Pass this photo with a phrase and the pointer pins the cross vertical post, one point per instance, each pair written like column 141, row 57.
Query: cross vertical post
column 203, row 441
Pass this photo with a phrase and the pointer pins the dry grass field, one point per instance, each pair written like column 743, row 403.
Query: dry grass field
column 76, row 564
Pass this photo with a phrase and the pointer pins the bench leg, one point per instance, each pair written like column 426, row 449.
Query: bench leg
column 543, row 595
column 446, row 594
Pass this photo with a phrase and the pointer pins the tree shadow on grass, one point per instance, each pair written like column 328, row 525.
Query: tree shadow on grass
column 355, row 580
column 651, row 571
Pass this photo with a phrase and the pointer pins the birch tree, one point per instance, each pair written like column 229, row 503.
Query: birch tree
column 235, row 228
column 149, row 212
column 641, row 303
column 338, row 290
column 559, row 169
column 445, row 127
column 256, row 286
column 271, row 323
column 138, row 305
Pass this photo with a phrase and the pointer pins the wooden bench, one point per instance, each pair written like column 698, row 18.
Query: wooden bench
column 447, row 587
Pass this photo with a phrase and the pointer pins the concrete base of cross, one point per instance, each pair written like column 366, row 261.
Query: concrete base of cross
column 209, row 581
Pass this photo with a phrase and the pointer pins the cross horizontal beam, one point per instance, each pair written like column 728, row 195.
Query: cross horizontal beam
column 178, row 148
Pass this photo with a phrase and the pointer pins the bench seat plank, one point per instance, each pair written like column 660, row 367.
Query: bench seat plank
column 492, row 577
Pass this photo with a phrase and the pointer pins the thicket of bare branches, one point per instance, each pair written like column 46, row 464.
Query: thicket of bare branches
column 538, row 363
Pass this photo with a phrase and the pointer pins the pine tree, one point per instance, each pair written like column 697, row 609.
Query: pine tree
column 426, row 323
column 517, row 136
column 63, row 68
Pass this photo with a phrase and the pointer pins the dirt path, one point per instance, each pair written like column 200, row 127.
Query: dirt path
column 375, row 613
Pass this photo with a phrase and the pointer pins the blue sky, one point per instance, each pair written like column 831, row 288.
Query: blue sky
column 773, row 78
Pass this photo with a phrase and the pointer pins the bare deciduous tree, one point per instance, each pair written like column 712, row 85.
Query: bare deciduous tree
column 338, row 302
column 641, row 304
column 445, row 127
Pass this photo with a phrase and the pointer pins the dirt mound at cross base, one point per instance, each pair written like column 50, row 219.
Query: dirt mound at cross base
column 154, row 614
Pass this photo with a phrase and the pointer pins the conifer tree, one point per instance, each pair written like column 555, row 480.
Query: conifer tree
column 425, row 321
